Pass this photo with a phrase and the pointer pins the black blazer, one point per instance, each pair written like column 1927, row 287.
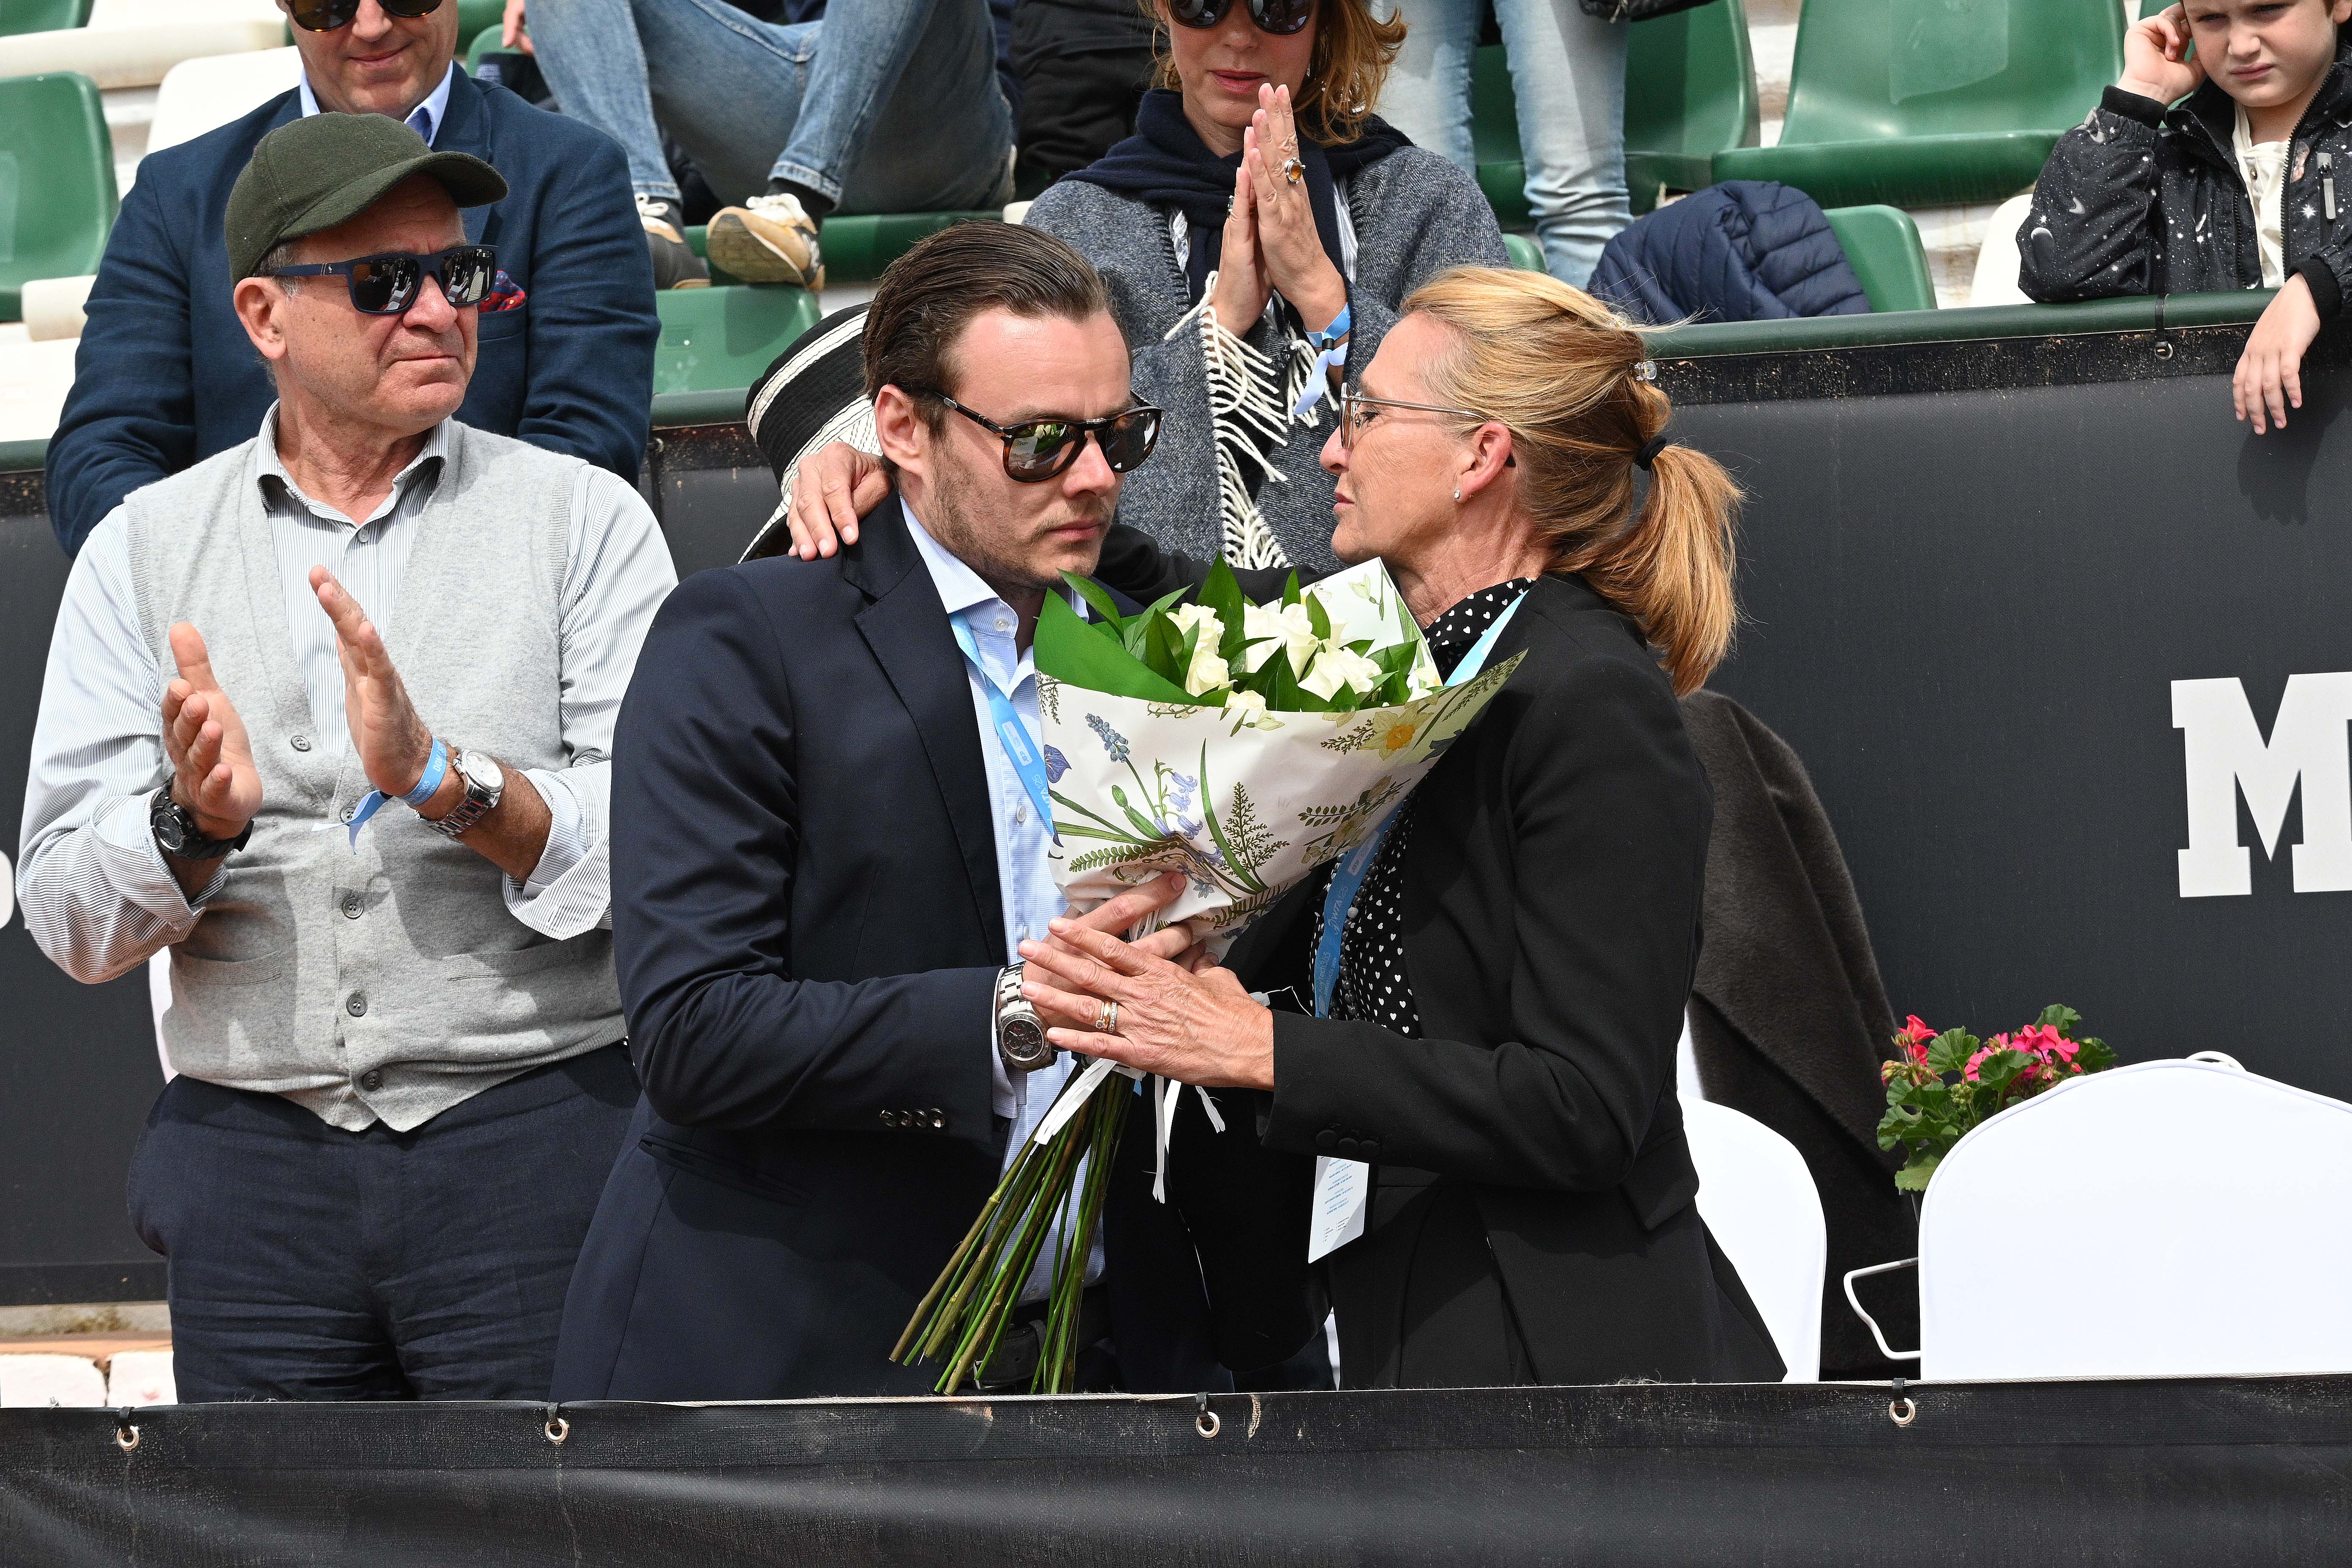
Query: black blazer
column 808, row 929
column 1552, row 888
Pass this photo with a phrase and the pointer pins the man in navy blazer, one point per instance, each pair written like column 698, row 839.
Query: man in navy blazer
column 823, row 860
column 165, row 378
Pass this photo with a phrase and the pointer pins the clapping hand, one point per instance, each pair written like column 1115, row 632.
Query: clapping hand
column 389, row 739
column 212, row 775
column 2157, row 62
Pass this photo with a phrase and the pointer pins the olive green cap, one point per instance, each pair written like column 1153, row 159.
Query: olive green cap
column 325, row 169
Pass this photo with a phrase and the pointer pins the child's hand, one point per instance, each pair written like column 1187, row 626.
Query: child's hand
column 2269, row 372
column 2156, row 62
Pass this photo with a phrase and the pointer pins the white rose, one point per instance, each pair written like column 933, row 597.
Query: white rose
column 1336, row 666
column 1279, row 626
column 1207, row 671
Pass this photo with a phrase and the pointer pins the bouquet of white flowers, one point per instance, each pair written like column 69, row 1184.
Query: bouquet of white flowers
column 1243, row 745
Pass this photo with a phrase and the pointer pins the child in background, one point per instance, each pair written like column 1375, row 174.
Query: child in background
column 2244, row 182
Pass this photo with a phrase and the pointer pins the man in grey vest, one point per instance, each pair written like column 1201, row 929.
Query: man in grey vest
column 327, row 716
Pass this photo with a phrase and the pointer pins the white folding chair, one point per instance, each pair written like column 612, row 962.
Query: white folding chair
column 202, row 95
column 2172, row 1218
column 1994, row 282
column 1760, row 1202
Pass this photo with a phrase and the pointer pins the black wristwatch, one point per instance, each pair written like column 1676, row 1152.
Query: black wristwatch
column 176, row 832
column 1019, row 1033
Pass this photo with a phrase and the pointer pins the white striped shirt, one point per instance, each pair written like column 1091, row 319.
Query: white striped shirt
column 96, row 891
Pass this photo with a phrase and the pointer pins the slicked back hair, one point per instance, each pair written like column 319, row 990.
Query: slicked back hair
column 928, row 296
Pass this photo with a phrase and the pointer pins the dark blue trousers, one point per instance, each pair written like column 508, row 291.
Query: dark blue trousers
column 307, row 1262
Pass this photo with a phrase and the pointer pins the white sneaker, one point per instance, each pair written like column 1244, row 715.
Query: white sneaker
column 768, row 239
column 675, row 264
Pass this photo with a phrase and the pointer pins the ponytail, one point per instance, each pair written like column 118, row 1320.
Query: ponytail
column 1567, row 377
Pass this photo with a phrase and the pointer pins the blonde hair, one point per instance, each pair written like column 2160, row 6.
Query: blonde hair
column 1353, row 52
column 1564, row 374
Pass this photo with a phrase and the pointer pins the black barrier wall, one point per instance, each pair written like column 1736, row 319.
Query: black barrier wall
column 2209, row 1471
column 1982, row 576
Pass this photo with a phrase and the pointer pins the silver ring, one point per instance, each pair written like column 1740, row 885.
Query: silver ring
column 1294, row 171
column 1107, row 1019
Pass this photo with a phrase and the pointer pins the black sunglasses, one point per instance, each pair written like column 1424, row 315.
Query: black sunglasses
column 326, row 15
column 386, row 285
column 1037, row 450
column 1281, row 17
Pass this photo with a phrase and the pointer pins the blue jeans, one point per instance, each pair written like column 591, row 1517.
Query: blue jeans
column 883, row 106
column 1567, row 71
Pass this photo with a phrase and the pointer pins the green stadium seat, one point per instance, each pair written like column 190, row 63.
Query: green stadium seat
column 1932, row 103
column 715, row 338
column 473, row 15
column 42, row 15
column 1690, row 93
column 1882, row 245
column 483, row 42
column 1526, row 253
column 57, row 182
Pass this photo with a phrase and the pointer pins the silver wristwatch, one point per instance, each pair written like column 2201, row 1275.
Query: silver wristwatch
column 485, row 785
column 1019, row 1033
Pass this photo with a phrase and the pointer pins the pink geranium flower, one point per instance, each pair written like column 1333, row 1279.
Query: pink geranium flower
column 2043, row 1041
column 1913, row 1038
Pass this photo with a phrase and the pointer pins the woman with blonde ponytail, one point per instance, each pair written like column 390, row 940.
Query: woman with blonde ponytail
column 1488, row 1019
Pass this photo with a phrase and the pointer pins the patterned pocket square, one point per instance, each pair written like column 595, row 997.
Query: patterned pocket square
column 504, row 294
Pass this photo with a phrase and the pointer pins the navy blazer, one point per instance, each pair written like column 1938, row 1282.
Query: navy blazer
column 808, row 928
column 165, row 376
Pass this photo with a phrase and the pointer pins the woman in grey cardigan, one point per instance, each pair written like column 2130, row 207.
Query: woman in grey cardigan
column 1248, row 261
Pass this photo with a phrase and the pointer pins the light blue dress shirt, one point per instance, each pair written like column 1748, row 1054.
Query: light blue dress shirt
column 425, row 119
column 1023, row 874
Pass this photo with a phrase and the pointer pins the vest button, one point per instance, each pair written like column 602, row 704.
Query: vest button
column 1327, row 1139
column 300, row 743
column 357, row 1006
column 371, row 1079
column 351, row 906
column 1347, row 1147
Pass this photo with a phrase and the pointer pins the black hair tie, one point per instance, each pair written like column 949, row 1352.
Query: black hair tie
column 1650, row 448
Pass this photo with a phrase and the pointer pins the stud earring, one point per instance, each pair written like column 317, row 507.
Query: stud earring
column 1457, row 492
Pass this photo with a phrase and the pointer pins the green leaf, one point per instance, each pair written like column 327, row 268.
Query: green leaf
column 1070, row 650
column 1290, row 590
column 2060, row 1017
column 1950, row 1051
column 1319, row 617
column 1099, row 598
column 1913, row 1178
column 1223, row 594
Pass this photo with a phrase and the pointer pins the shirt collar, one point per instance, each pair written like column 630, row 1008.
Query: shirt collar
column 1453, row 633
column 960, row 586
column 431, row 111
column 266, row 466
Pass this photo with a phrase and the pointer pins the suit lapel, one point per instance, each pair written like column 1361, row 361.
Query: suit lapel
column 468, row 129
column 907, row 627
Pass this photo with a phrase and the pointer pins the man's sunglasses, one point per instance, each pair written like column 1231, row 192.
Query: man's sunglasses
column 386, row 285
column 326, row 15
column 1281, row 17
column 1037, row 450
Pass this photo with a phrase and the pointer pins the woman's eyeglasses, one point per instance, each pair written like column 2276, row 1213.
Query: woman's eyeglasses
column 1037, row 450
column 326, row 15
column 1280, row 17
column 1356, row 411
column 386, row 285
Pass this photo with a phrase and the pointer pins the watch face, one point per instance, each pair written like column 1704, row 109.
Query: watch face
column 1024, row 1042
column 483, row 770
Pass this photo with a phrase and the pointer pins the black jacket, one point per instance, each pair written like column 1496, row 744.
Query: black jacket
column 808, row 927
column 1553, row 888
column 2141, row 200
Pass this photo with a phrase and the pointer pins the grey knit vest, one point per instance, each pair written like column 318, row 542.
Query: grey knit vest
column 387, row 981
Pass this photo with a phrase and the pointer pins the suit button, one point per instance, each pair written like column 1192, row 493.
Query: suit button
column 890, row 1119
column 357, row 1006
column 1347, row 1146
column 352, row 906
column 1327, row 1139
column 1369, row 1148
column 938, row 1119
column 371, row 1079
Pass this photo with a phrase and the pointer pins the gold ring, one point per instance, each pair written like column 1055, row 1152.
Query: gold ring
column 1107, row 1019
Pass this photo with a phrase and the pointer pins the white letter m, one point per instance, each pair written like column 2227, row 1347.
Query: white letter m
column 2226, row 754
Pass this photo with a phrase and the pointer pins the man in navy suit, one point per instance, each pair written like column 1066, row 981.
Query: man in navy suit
column 165, row 378
column 826, row 854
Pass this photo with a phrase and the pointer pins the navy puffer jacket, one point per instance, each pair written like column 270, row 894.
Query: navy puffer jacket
column 1745, row 250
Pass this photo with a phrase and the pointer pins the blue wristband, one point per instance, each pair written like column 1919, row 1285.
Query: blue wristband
column 436, row 768
column 1331, row 334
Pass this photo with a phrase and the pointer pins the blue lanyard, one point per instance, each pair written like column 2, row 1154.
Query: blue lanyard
column 1010, row 733
column 1347, row 876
